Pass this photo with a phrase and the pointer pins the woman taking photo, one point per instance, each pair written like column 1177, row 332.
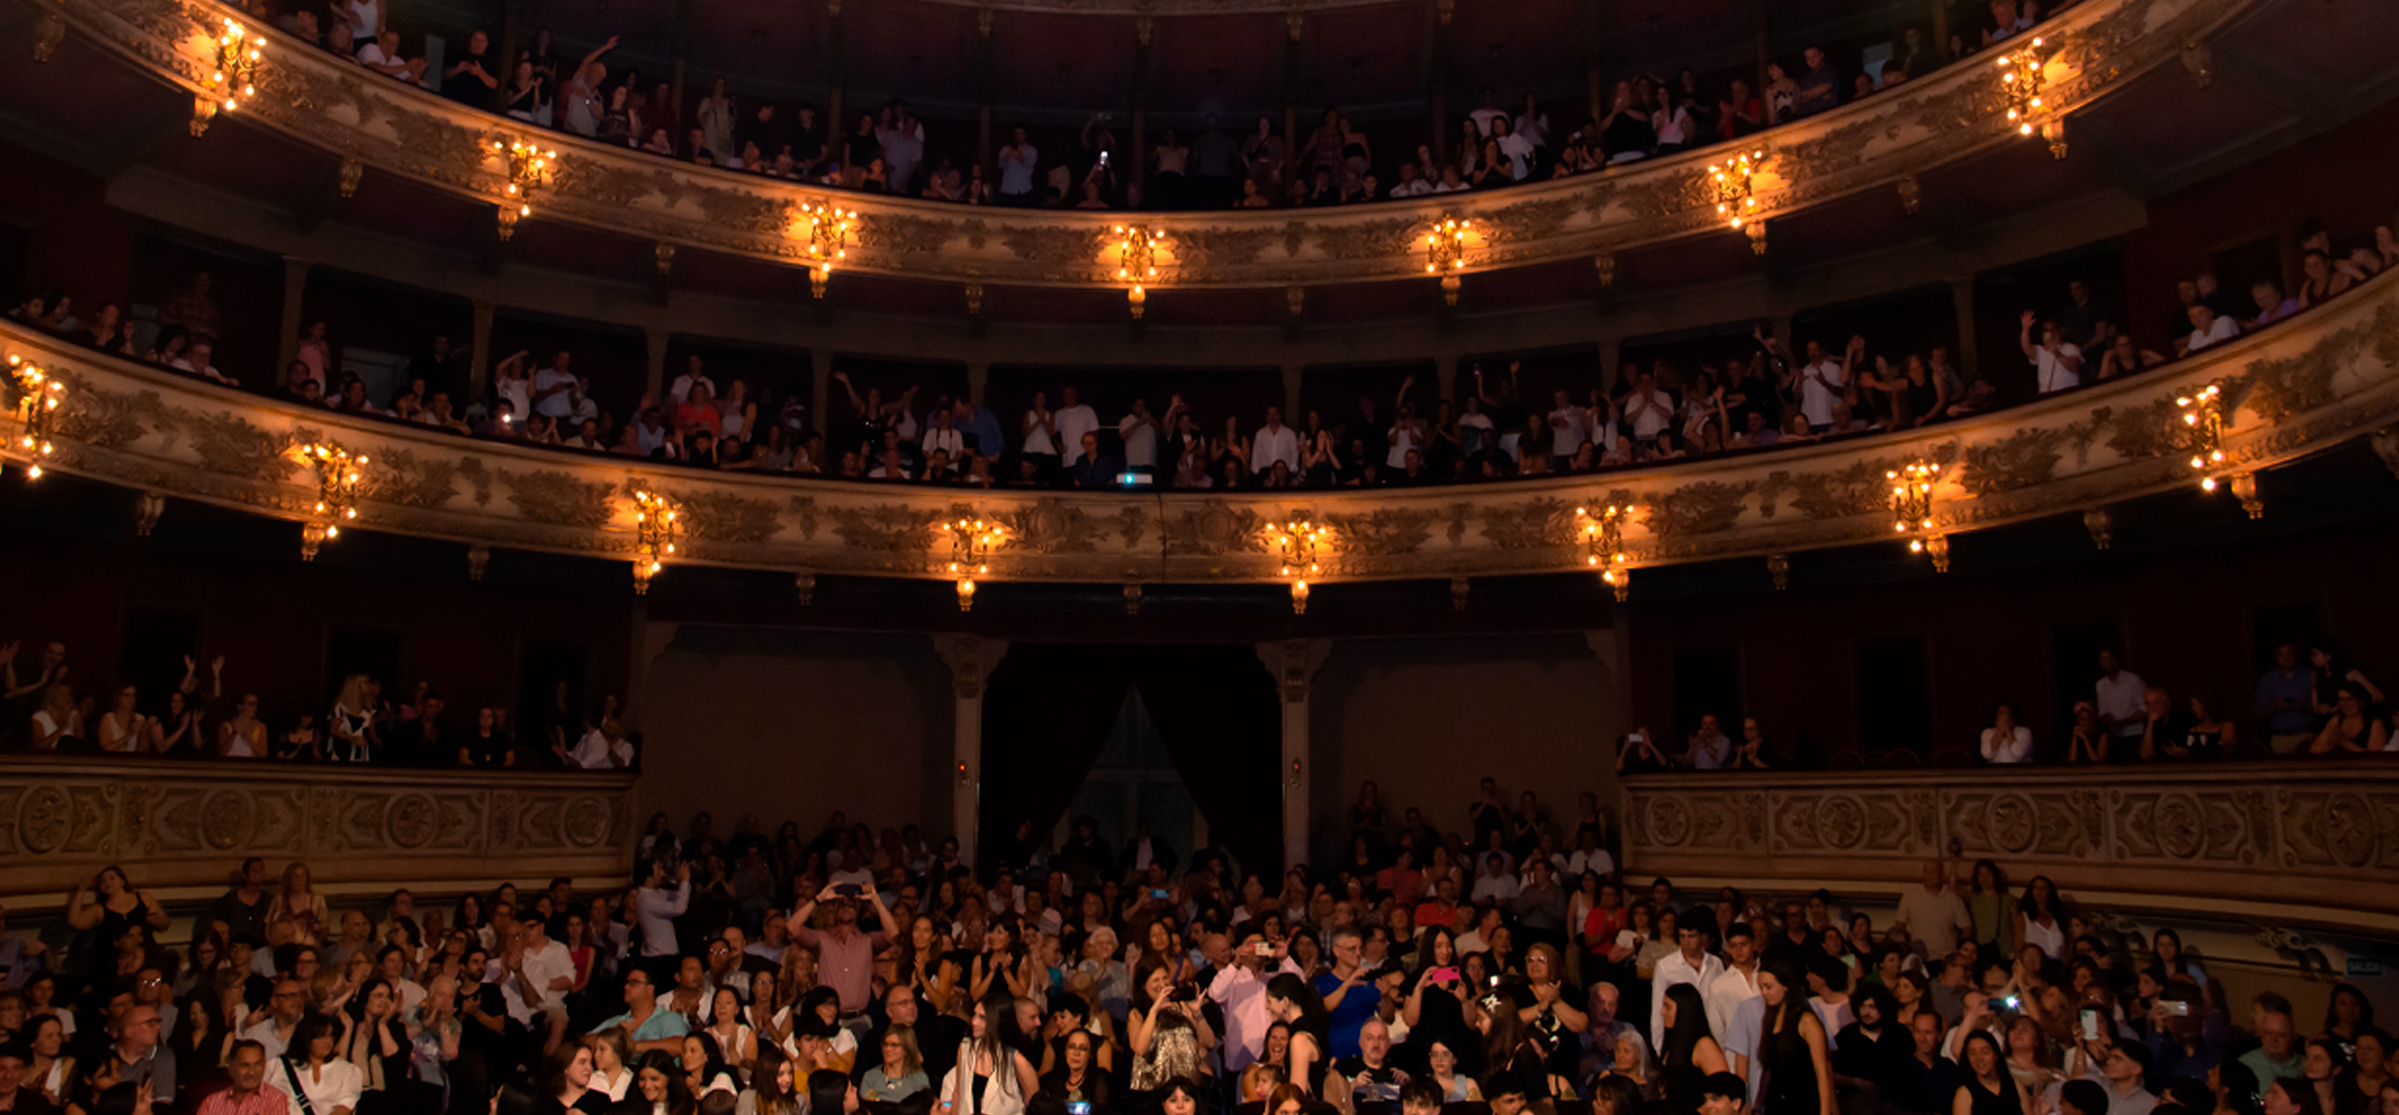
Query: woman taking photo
column 1169, row 1036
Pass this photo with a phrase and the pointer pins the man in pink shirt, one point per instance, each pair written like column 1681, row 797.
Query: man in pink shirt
column 846, row 957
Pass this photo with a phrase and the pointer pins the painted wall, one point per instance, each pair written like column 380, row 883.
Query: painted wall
column 789, row 724
column 1426, row 718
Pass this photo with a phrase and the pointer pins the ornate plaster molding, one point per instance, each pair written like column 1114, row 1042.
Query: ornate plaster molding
column 392, row 127
column 2323, row 379
column 185, row 823
column 2319, row 834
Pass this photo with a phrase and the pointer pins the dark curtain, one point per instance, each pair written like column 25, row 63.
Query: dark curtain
column 1218, row 712
column 1046, row 714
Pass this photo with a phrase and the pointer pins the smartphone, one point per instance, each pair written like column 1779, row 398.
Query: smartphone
column 1442, row 975
column 848, row 890
column 2177, row 1008
column 2090, row 1025
column 1159, row 893
column 1078, row 1108
column 2012, row 1002
column 1636, row 737
column 1262, row 948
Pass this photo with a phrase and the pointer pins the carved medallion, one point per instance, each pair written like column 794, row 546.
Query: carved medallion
column 1841, row 821
column 2013, row 822
column 1669, row 822
column 45, row 818
column 411, row 820
column 226, row 820
column 585, row 822
column 2178, row 825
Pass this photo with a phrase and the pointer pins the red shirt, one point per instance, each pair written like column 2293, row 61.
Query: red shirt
column 1435, row 915
column 1603, row 924
column 267, row 1100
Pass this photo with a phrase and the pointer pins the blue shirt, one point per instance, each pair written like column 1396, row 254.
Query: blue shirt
column 1350, row 1017
column 661, row 1025
column 2297, row 685
column 985, row 427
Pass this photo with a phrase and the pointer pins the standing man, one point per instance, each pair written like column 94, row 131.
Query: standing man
column 1934, row 914
column 845, row 956
column 1692, row 964
column 655, row 908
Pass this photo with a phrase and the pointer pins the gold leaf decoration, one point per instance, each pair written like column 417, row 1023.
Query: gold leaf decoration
column 2021, row 460
column 556, row 498
column 1388, row 532
column 889, row 528
column 1529, row 524
column 725, row 517
column 1052, row 526
column 1702, row 508
column 230, row 445
column 1214, row 528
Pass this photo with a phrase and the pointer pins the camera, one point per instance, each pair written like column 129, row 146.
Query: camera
column 1262, row 948
column 848, row 890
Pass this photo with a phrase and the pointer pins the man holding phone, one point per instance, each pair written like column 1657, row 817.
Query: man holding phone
column 845, row 956
column 1240, row 989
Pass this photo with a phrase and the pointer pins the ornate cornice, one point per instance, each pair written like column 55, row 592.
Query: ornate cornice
column 2318, row 835
column 184, row 823
column 2320, row 380
column 391, row 127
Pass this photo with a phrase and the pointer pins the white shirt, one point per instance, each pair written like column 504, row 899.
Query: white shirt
column 1415, row 188
column 1568, row 435
column 1597, row 861
column 365, row 16
column 656, row 914
column 334, row 1084
column 1037, row 437
column 1072, row 423
column 949, row 441
column 561, row 404
column 1519, row 153
column 1935, row 918
column 1725, row 994
column 1483, row 117
column 1502, row 888
column 2015, row 749
column 2224, row 329
column 542, row 965
column 264, row 1034
column 680, row 390
column 595, row 752
column 1140, row 434
column 1671, row 970
column 2121, row 697
column 1016, row 169
column 1274, row 443
column 1243, row 996
column 2051, row 370
column 1819, row 388
column 1648, row 413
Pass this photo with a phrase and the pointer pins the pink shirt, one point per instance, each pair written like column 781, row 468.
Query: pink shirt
column 846, row 966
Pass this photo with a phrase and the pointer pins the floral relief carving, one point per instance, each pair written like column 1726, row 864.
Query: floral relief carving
column 1860, row 489
column 1531, row 524
column 725, row 517
column 1205, row 251
column 889, row 528
column 557, row 498
column 105, row 419
column 1701, row 508
column 401, row 476
column 1132, row 524
column 1215, row 528
column 230, row 445
column 2020, row 460
column 803, row 512
column 1052, row 526
column 907, row 235
column 2279, row 389
column 1386, row 533
column 2144, row 432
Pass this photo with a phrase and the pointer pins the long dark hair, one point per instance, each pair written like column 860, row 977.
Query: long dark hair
column 678, row 1097
column 772, row 1099
column 828, row 1090
column 2031, row 908
column 1313, row 1021
column 1795, row 999
column 2009, row 1100
column 1690, row 1025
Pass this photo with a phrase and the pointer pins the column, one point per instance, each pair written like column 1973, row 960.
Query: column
column 987, row 89
column 1595, row 80
column 978, row 376
column 820, row 368
column 1292, row 414
column 478, row 372
column 837, row 78
column 1436, row 67
column 1761, row 29
column 659, row 337
column 1445, row 371
column 686, row 22
column 295, row 289
column 504, row 47
column 1611, row 357
column 1293, row 66
column 1294, row 663
column 1969, row 358
column 1137, row 160
column 971, row 659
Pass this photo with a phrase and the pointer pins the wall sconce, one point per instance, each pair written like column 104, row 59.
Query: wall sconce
column 529, row 169
column 1296, row 771
column 1445, row 254
column 2203, row 420
column 1603, row 537
column 1605, row 264
column 2244, row 488
column 39, row 395
column 233, row 80
column 656, row 527
column 1937, row 548
column 2021, row 78
column 963, row 778
column 1137, row 300
column 1736, row 194
column 338, row 473
column 1137, row 262
column 1300, row 543
column 971, row 543
column 828, row 235
column 1912, row 497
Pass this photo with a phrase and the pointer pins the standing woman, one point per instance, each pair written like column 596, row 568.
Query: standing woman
column 374, row 1041
column 244, row 735
column 58, row 724
column 353, row 715
column 1799, row 1077
column 299, row 915
column 111, row 906
column 769, row 1018
column 1992, row 908
column 123, row 730
column 310, row 1073
column 1690, row 1053
column 1989, row 1088
column 2038, row 922
column 1169, row 1037
column 1291, row 1000
column 990, row 1077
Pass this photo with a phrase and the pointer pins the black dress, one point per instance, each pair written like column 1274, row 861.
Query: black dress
column 2004, row 1102
column 1790, row 1087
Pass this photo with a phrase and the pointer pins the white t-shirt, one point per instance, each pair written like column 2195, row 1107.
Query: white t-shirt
column 1819, row 388
column 2224, row 329
column 542, row 965
column 1141, row 440
column 1483, row 117
column 1649, row 413
column 1073, row 422
column 1569, row 428
column 559, row 405
column 1037, row 438
column 2122, row 697
column 594, row 752
column 1271, row 444
column 2051, row 367
column 680, row 390
column 2015, row 749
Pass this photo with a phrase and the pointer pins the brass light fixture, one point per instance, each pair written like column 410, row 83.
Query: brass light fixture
column 2021, row 78
column 1301, row 543
column 39, row 395
column 1912, row 509
column 1137, row 263
column 234, row 78
column 1445, row 254
column 338, row 473
column 656, row 527
column 2203, row 419
column 529, row 169
column 829, row 228
column 1737, row 197
column 1603, row 545
column 971, row 544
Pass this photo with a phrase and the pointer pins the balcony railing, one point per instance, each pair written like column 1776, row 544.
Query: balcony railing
column 174, row 824
column 2236, row 838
